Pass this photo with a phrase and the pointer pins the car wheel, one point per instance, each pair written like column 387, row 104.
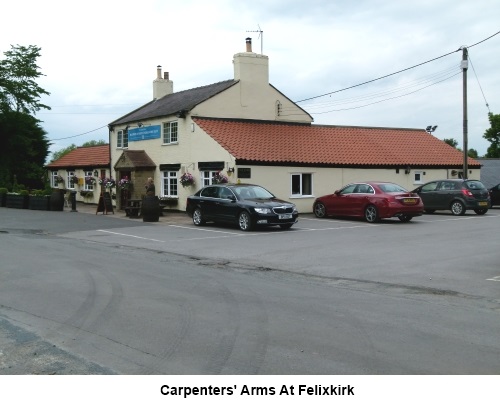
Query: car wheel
column 457, row 208
column 244, row 221
column 286, row 226
column 198, row 217
column 430, row 211
column 319, row 210
column 481, row 211
column 371, row 214
column 405, row 218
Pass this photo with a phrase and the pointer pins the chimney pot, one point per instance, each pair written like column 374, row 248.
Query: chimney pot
column 249, row 44
column 165, row 75
column 158, row 72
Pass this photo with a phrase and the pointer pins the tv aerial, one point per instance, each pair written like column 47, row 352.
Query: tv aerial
column 261, row 36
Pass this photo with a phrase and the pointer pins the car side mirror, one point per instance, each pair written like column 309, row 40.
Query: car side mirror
column 232, row 198
column 337, row 192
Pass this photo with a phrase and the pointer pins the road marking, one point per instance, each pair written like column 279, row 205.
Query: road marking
column 497, row 278
column 205, row 230
column 130, row 236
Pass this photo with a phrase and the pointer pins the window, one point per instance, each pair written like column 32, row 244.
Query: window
column 53, row 180
column 88, row 187
column 206, row 177
column 418, row 177
column 122, row 139
column 301, row 184
column 69, row 180
column 169, row 184
column 170, row 132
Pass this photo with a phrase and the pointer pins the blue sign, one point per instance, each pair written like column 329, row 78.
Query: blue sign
column 144, row 133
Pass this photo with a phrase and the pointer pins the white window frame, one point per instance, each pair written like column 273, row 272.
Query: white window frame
column 71, row 185
column 88, row 187
column 170, row 184
column 170, row 132
column 122, row 139
column 418, row 177
column 301, row 192
column 206, row 177
column 53, row 180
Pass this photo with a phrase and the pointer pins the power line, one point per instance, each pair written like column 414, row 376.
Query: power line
column 474, row 70
column 75, row 136
column 419, row 82
column 395, row 73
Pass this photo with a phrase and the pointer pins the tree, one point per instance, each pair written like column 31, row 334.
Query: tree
column 24, row 150
column 18, row 88
column 492, row 135
column 451, row 142
column 24, row 144
column 60, row 153
column 472, row 153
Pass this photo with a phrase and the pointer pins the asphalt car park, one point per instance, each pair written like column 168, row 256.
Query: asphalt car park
column 439, row 251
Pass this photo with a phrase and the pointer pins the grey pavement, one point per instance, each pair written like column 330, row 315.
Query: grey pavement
column 169, row 217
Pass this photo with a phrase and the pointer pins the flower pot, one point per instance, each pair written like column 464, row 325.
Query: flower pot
column 57, row 200
column 39, row 202
column 150, row 209
column 17, row 201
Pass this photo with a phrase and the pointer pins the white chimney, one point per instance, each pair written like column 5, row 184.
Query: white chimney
column 162, row 86
column 250, row 66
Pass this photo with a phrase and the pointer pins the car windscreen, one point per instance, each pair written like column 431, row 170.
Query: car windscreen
column 475, row 185
column 392, row 188
column 249, row 192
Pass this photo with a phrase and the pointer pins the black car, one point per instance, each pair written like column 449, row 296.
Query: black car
column 246, row 205
column 495, row 195
column 457, row 195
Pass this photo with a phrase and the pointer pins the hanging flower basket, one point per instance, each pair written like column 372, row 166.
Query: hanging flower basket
column 124, row 183
column 107, row 182
column 58, row 179
column 219, row 178
column 90, row 181
column 186, row 180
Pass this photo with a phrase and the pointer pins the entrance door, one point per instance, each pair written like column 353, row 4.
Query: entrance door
column 124, row 194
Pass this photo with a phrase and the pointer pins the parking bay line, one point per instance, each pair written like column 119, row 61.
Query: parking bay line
column 228, row 234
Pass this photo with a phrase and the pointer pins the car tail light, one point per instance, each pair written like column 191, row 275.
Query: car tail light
column 467, row 193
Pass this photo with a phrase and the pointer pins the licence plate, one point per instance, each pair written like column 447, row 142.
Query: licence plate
column 285, row 216
column 483, row 203
column 409, row 200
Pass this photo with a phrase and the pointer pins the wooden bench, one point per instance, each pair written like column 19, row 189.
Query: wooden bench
column 133, row 208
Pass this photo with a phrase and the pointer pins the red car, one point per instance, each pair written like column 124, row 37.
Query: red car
column 371, row 200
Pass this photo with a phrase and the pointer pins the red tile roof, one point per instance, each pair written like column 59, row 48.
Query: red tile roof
column 280, row 142
column 89, row 156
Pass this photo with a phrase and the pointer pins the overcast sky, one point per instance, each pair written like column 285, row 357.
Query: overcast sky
column 99, row 58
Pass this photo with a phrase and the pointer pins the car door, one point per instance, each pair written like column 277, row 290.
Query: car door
column 340, row 203
column 428, row 194
column 445, row 194
column 226, row 208
column 208, row 202
column 495, row 195
column 358, row 200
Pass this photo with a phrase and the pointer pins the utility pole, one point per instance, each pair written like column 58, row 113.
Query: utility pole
column 464, row 66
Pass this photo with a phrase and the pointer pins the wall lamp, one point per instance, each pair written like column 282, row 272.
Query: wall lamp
column 96, row 173
column 230, row 169
column 140, row 124
column 407, row 170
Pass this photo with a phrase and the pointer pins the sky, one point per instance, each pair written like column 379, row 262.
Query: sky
column 99, row 58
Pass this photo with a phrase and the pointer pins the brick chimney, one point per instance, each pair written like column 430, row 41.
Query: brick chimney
column 162, row 86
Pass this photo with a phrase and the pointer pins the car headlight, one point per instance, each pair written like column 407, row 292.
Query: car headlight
column 262, row 210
